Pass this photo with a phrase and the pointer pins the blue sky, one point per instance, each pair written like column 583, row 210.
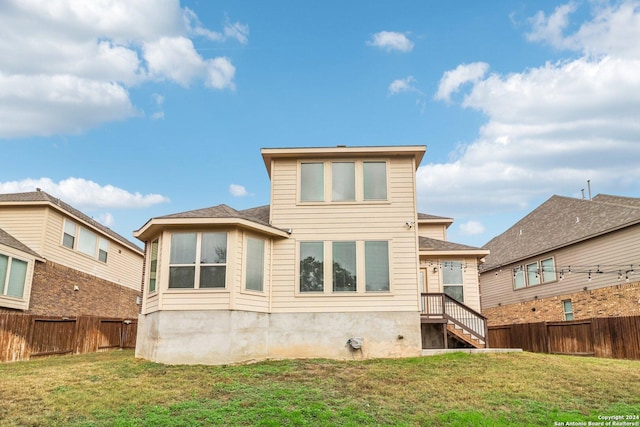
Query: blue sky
column 130, row 110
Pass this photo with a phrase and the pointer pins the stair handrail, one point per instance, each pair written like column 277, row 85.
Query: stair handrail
column 480, row 330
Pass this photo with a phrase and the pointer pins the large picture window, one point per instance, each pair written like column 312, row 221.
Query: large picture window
column 311, row 266
column 344, row 266
column 254, row 271
column 312, row 182
column 375, row 180
column 343, row 178
column 198, row 260
column 13, row 274
column 376, row 260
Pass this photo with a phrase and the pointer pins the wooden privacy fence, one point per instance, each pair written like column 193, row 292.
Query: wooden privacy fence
column 612, row 337
column 24, row 336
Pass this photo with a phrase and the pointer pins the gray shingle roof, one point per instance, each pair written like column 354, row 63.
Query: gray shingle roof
column 259, row 214
column 8, row 240
column 559, row 222
column 42, row 196
column 429, row 216
column 427, row 243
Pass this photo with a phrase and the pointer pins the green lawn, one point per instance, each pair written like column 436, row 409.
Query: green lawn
column 115, row 389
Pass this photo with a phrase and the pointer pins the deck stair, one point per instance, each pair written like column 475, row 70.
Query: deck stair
column 462, row 322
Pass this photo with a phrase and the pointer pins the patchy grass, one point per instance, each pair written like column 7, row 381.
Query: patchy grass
column 115, row 389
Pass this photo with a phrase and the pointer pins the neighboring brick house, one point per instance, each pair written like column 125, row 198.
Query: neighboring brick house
column 339, row 265
column 568, row 259
column 57, row 261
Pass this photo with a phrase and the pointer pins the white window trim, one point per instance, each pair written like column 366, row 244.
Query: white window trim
column 76, row 238
column 540, row 273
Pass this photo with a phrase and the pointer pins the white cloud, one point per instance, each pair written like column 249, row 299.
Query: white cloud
column 84, row 194
column 550, row 28
column 472, row 228
column 73, row 62
column 452, row 80
column 549, row 128
column 106, row 219
column 389, row 40
column 402, row 86
column 238, row 190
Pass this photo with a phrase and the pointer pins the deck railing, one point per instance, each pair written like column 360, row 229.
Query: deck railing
column 442, row 306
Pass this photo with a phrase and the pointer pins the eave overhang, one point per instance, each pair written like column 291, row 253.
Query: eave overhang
column 156, row 225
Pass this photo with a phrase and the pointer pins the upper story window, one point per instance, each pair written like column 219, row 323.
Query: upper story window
column 343, row 181
column 375, row 180
column 13, row 274
column 534, row 273
column 198, row 260
column 84, row 240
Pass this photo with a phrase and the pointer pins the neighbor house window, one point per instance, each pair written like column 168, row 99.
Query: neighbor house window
column 548, row 270
column 344, row 266
column 198, row 260
column 13, row 274
column 518, row 278
column 375, row 180
column 311, row 266
column 533, row 275
column 84, row 240
column 255, row 264
column 452, row 281
column 343, row 178
column 153, row 267
column 376, row 266
column 567, row 307
column 312, row 182
column 69, row 234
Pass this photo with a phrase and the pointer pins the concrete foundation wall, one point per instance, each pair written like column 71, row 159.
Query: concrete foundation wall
column 220, row 337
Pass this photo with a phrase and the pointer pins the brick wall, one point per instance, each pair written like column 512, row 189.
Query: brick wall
column 617, row 300
column 53, row 294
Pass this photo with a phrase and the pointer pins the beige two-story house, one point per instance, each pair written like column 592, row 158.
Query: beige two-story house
column 333, row 267
column 57, row 261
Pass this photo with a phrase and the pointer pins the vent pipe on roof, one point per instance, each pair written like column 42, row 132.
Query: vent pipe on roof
column 589, row 187
column 582, row 193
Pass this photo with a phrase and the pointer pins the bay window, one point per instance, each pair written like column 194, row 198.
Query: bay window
column 254, row 268
column 13, row 274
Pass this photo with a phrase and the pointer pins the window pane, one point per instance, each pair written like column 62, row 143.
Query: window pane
column 153, row 268
column 344, row 266
column 533, row 278
column 16, row 278
column 343, row 177
column 182, row 277
column 214, row 248
column 4, row 263
column 518, row 278
column 548, row 270
column 311, row 266
column 87, row 242
column 103, row 249
column 375, row 180
column 376, row 266
column 68, row 237
column 455, row 292
column 183, row 248
column 312, row 182
column 212, row 277
column 568, row 310
column 255, row 264
column 452, row 273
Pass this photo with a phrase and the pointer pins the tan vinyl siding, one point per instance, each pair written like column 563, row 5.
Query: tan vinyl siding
column 433, row 231
column 27, row 224
column 614, row 249
column 346, row 221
